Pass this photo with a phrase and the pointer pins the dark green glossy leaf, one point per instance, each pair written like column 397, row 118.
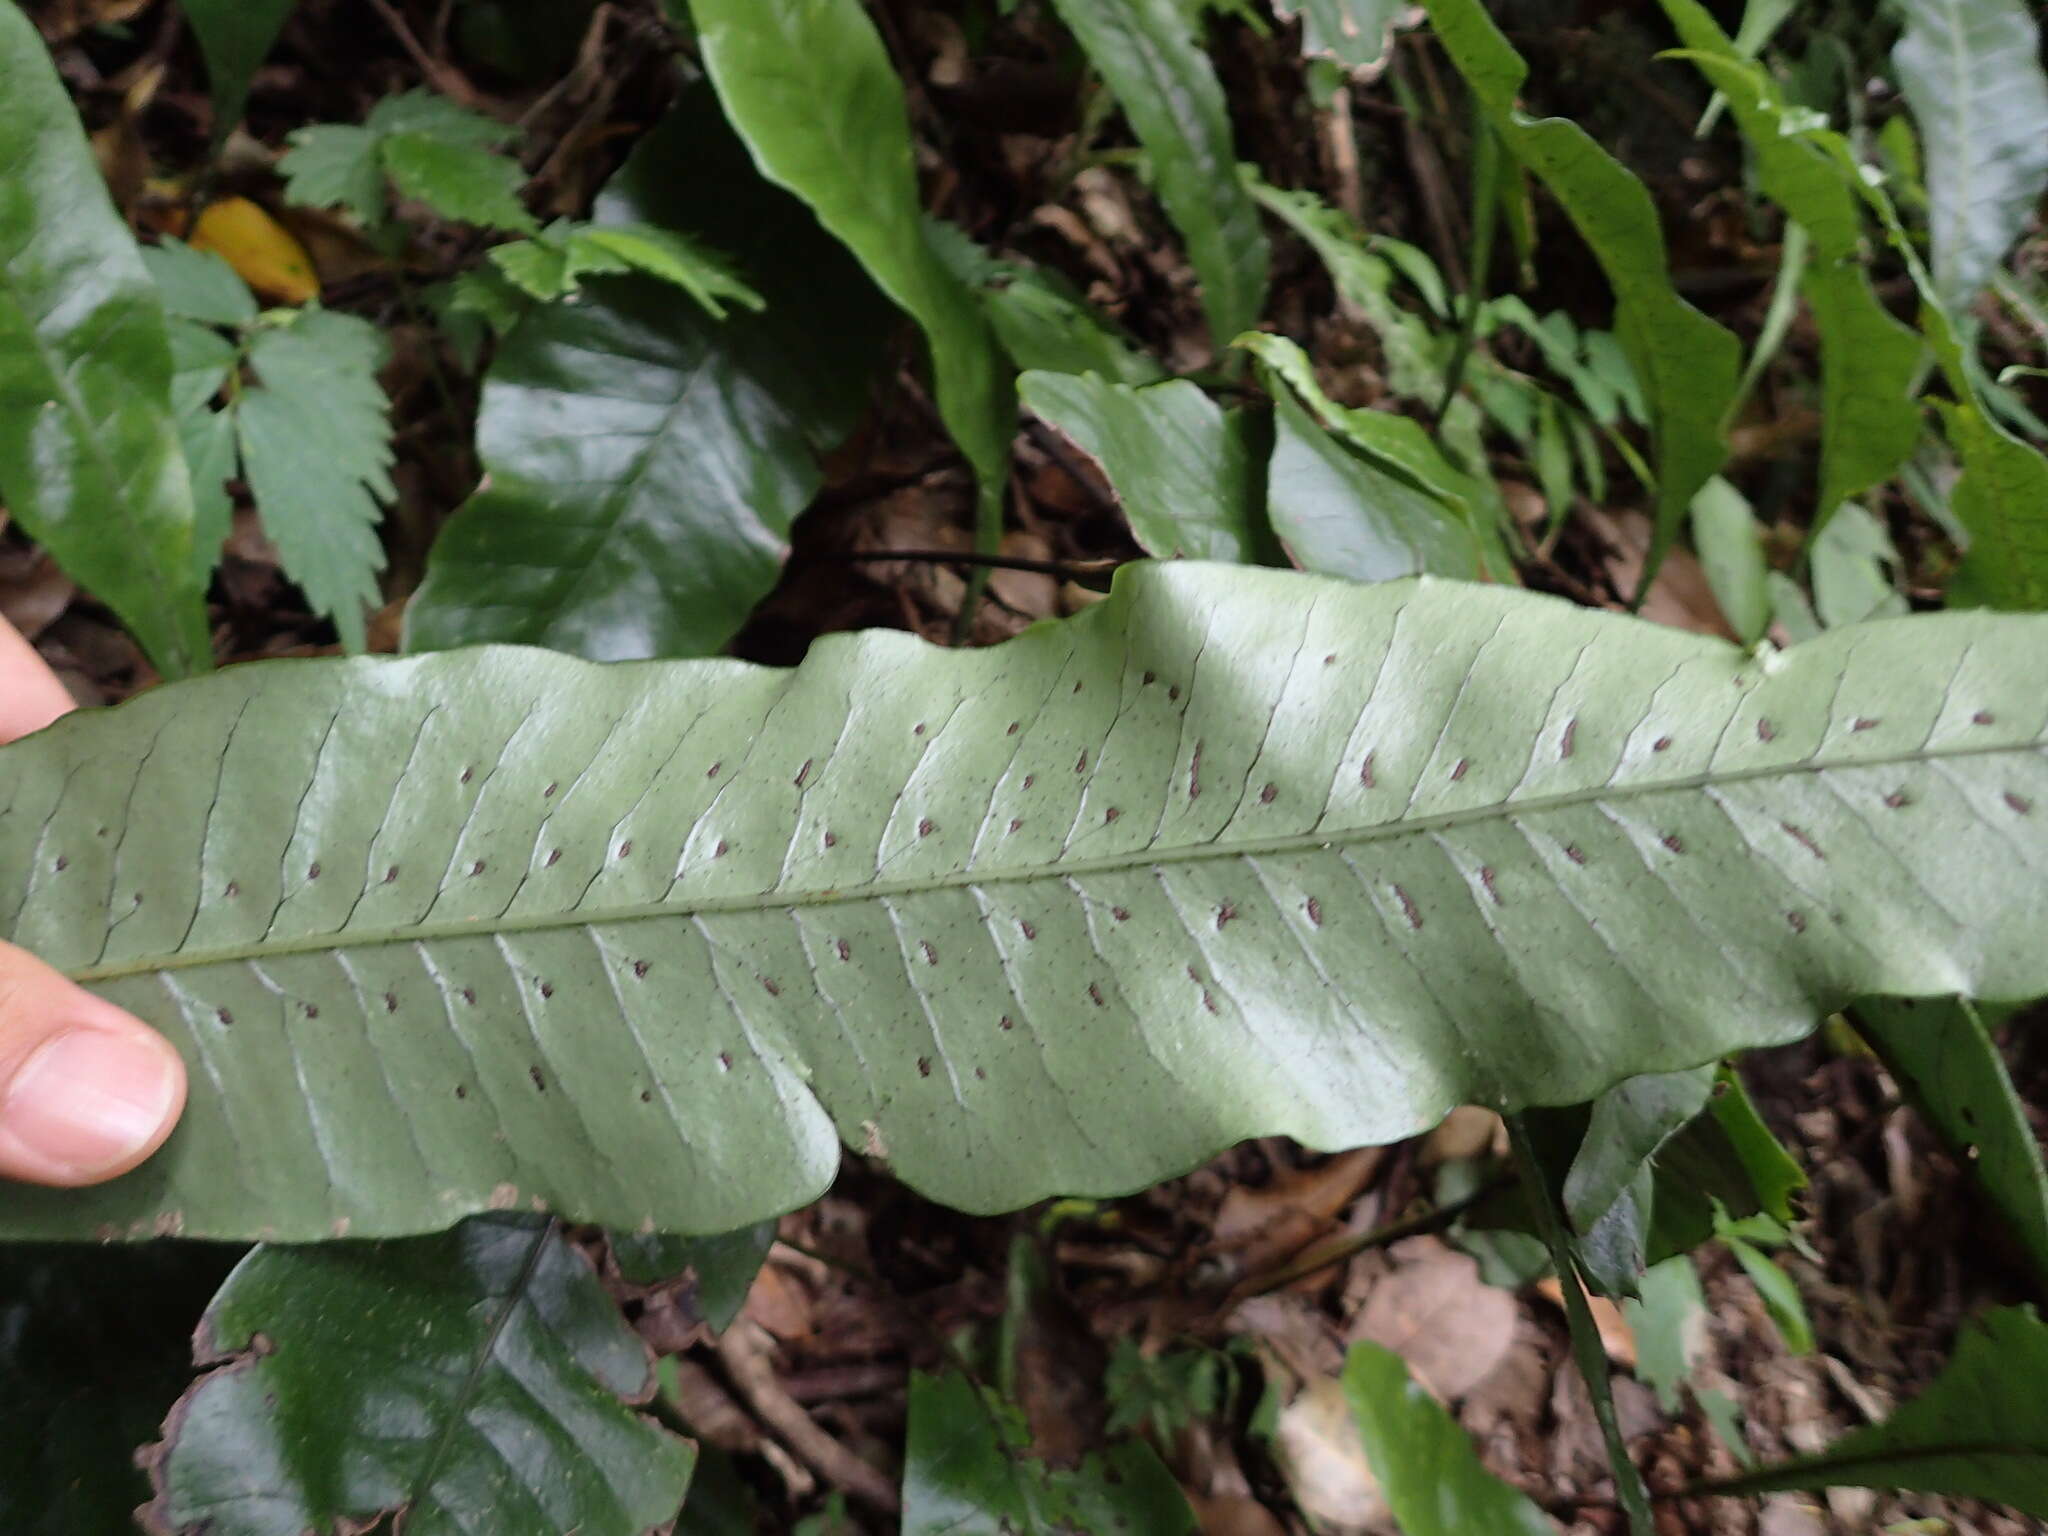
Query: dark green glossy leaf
column 95, row 1346
column 234, row 35
column 90, row 463
column 1943, row 1056
column 723, row 1265
column 1151, row 55
column 449, row 930
column 1182, row 466
column 1630, row 1123
column 645, row 461
column 1980, row 1431
column 476, row 1373
column 968, row 1471
column 809, row 86
column 1687, row 363
column 1427, row 1469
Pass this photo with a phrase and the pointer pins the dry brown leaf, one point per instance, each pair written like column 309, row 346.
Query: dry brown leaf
column 1438, row 1315
column 1323, row 1460
column 1233, row 1514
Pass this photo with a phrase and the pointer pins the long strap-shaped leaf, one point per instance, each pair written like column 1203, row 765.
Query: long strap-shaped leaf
column 1235, row 852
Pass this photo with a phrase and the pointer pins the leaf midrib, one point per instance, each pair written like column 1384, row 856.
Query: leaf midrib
column 1144, row 858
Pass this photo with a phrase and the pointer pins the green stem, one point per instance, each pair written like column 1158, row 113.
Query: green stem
column 1587, row 1349
column 1485, row 210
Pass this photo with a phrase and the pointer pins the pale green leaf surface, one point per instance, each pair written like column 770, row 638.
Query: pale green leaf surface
column 1150, row 53
column 1971, row 72
column 1355, row 33
column 969, row 1471
column 1263, row 855
column 1670, row 1323
column 1731, row 551
column 458, row 182
column 541, row 268
column 315, row 443
column 234, row 35
column 198, row 285
column 476, row 1371
column 810, row 88
column 1428, row 1472
column 1851, row 565
column 90, row 464
column 1942, row 1054
column 1339, row 514
column 1178, row 462
column 1686, row 362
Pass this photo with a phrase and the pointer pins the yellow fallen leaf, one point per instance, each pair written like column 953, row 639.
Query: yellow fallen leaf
column 262, row 250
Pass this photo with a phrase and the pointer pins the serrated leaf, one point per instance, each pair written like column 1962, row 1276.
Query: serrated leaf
column 89, row 457
column 336, row 164
column 1686, row 362
column 809, row 86
column 198, row 285
column 540, row 268
column 476, row 186
column 1150, row 53
column 645, row 463
column 1356, row 33
column 315, row 442
column 1428, row 1472
column 481, row 1370
column 452, row 930
column 211, row 455
column 434, row 116
column 1670, row 1322
column 1980, row 1431
column 234, row 35
column 1181, row 465
column 968, row 1471
column 1943, row 1056
column 1971, row 72
column 671, row 256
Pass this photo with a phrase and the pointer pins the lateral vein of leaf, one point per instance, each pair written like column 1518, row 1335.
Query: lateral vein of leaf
column 1120, row 863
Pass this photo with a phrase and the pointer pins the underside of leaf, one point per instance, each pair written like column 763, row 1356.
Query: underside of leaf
column 1234, row 853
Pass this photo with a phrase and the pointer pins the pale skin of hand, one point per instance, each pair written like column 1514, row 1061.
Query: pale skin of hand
column 86, row 1091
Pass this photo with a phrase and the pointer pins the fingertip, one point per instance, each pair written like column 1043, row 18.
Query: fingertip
column 91, row 1101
